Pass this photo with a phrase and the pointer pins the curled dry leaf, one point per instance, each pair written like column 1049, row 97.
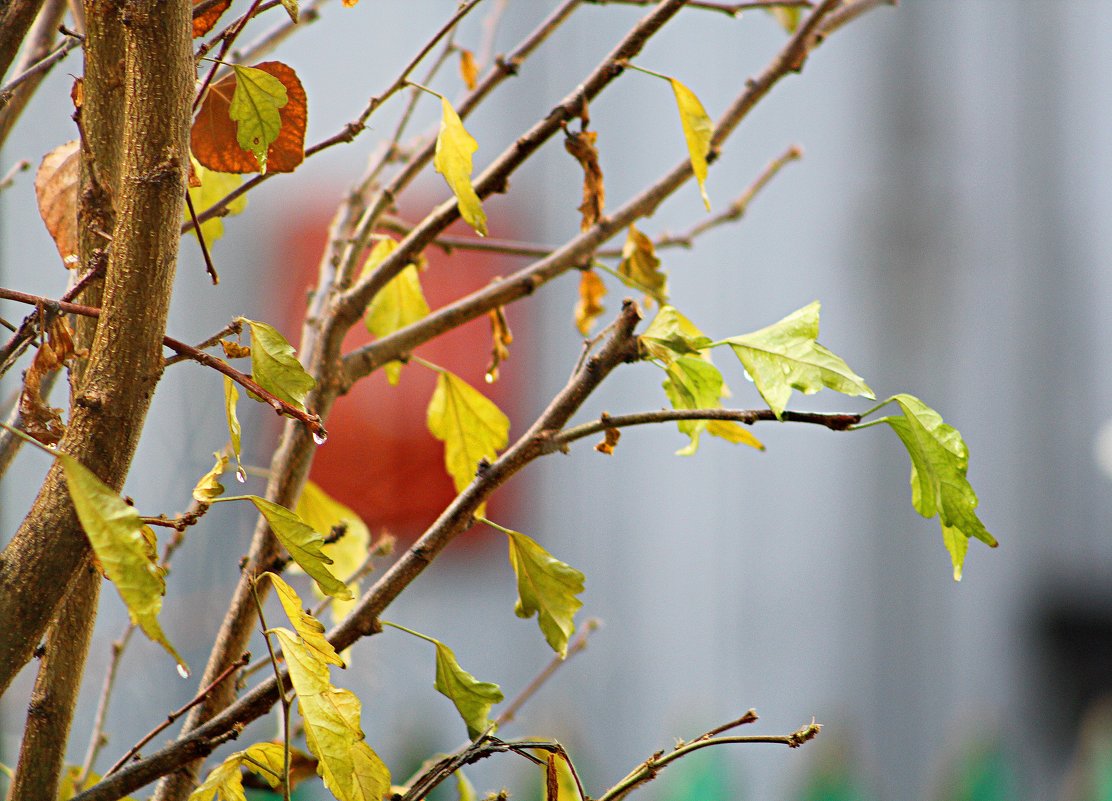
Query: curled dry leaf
column 214, row 138
column 501, row 339
column 234, row 350
column 206, row 19
column 641, row 266
column 56, row 191
column 589, row 307
column 41, row 421
column 610, row 440
column 582, row 147
column 468, row 69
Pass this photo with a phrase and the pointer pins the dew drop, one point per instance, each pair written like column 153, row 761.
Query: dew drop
column 489, row 378
column 320, row 437
column 241, row 475
column 183, row 671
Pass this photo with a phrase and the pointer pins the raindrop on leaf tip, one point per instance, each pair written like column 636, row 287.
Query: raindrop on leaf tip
column 183, row 671
column 320, row 437
column 241, row 475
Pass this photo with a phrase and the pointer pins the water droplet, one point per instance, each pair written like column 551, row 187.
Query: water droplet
column 489, row 378
column 320, row 436
column 241, row 475
column 183, row 671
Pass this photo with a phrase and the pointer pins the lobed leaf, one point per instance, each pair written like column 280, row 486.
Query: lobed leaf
column 939, row 460
column 697, row 131
column 471, row 427
column 225, row 782
column 472, row 698
column 274, row 365
column 454, row 147
column 305, row 545
column 786, row 355
column 254, row 108
column 126, row 557
column 546, row 587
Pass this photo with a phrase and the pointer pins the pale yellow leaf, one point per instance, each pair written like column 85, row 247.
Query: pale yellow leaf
column 209, row 486
column 454, row 147
column 697, row 130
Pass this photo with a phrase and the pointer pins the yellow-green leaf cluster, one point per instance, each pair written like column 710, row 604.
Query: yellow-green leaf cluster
column 350, row 768
column 547, row 588
column 454, row 147
column 697, row 131
column 254, row 108
column 274, row 365
column 322, row 512
column 786, row 355
column 225, row 781
column 939, row 460
column 122, row 547
column 308, row 628
column 214, row 186
column 692, row 382
column 471, row 427
column 398, row 304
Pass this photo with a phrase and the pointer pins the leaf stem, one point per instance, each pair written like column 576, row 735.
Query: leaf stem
column 400, row 627
column 646, row 70
column 283, row 699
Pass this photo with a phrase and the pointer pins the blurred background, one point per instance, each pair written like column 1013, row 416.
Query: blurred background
column 951, row 213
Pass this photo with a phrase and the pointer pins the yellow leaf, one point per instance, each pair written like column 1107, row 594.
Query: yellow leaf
column 468, row 69
column 547, row 588
column 303, row 543
column 322, row 512
column 231, row 398
column 471, row 427
column 697, row 130
column 214, row 186
column 454, row 146
column 589, row 306
column 209, row 486
column 733, row 431
column 116, row 534
column 641, row 267
column 787, row 17
column 307, row 627
column 399, row 303
column 225, row 780
column 274, row 365
column 350, row 768
column 254, row 108
column 308, row 672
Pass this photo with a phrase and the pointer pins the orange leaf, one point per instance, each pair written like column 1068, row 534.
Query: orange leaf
column 501, row 338
column 56, row 190
column 589, row 307
column 203, row 22
column 213, row 138
column 611, row 437
column 468, row 69
column 582, row 146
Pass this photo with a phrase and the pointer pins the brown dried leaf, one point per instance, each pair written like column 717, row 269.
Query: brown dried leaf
column 612, row 435
column 204, row 22
column 589, row 307
column 582, row 147
column 41, row 421
column 501, row 338
column 56, row 190
column 641, row 266
column 214, row 139
column 234, row 350
column 468, row 69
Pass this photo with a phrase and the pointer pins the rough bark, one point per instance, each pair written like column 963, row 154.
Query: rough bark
column 40, row 563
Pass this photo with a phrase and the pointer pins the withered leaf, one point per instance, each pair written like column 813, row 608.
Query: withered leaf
column 234, row 350
column 468, row 69
column 56, row 191
column 610, row 440
column 589, row 307
column 501, row 339
column 582, row 148
column 41, row 421
column 641, row 266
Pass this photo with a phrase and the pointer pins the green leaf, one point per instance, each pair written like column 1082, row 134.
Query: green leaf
column 472, row 698
column 116, row 534
column 464, row 788
column 209, row 487
column 786, row 356
column 231, row 398
column 454, row 146
column 671, row 335
column 939, row 460
column 471, row 427
column 695, row 383
column 697, row 131
column 640, row 266
column 214, row 186
column 274, row 365
column 254, row 109
column 546, row 587
column 307, row 627
column 322, row 512
column 305, row 545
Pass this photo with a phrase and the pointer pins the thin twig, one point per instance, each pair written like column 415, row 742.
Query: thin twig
column 234, row 327
column 577, row 645
column 651, row 767
column 210, row 268
column 98, row 740
column 730, row 9
column 177, row 713
column 62, row 50
column 9, row 176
